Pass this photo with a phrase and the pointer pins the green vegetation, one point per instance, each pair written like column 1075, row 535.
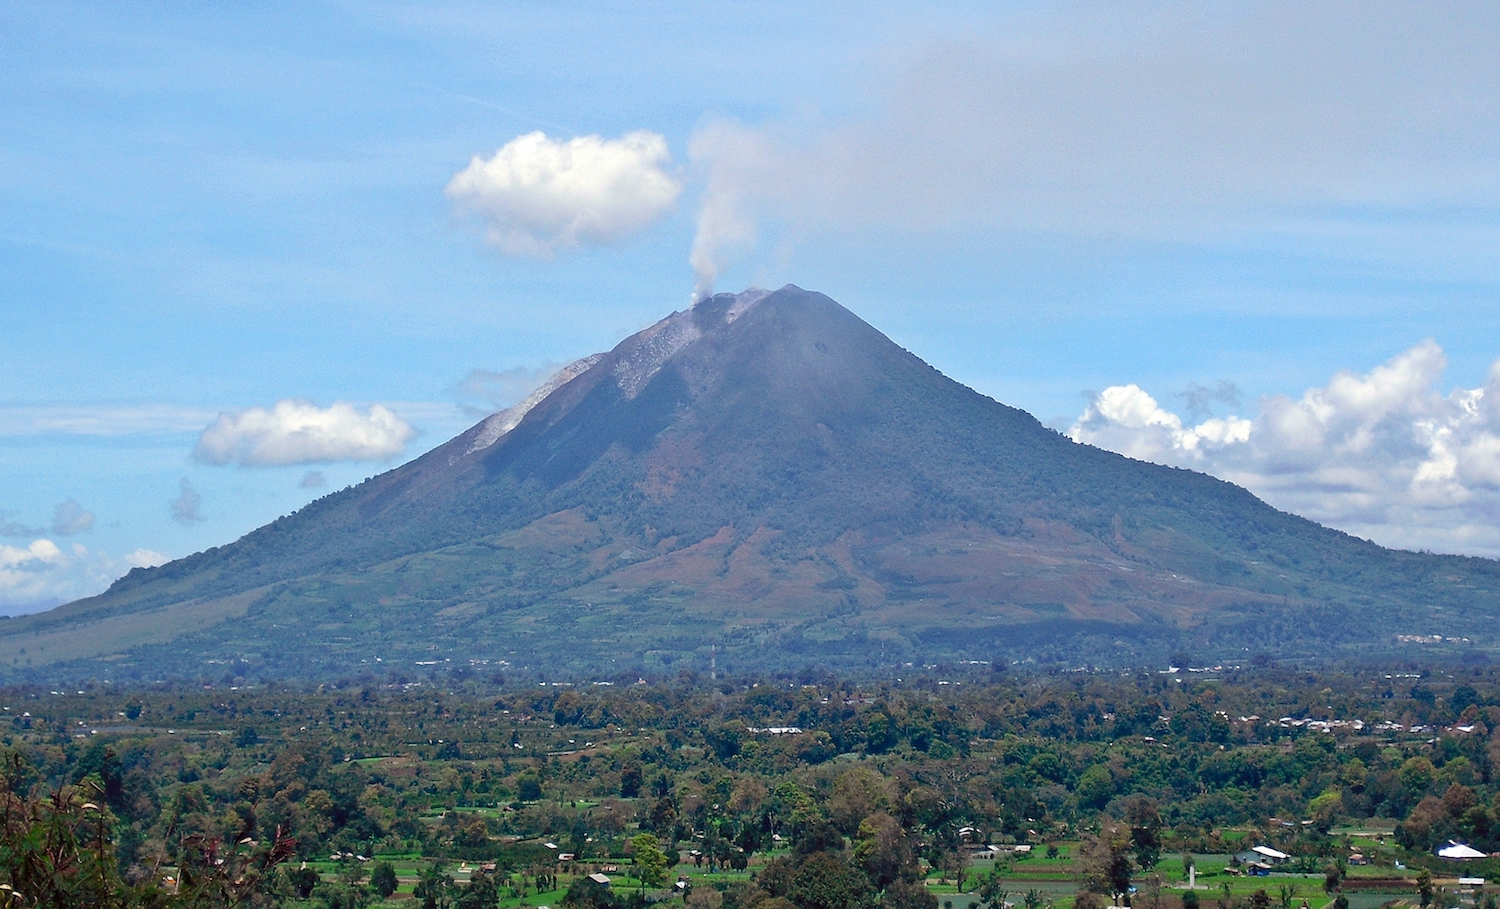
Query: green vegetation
column 980, row 789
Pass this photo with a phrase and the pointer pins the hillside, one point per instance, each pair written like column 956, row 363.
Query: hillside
column 764, row 481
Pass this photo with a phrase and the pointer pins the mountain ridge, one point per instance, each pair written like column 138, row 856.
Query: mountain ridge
column 768, row 477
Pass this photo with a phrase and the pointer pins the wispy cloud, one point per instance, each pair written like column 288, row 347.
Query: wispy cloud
column 484, row 391
column 1141, row 121
column 187, row 508
column 70, row 518
column 100, row 419
column 10, row 528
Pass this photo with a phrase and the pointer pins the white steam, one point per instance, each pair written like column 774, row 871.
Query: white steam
column 1126, row 121
column 734, row 159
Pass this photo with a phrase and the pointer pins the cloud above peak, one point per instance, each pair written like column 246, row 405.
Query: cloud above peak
column 537, row 196
column 1383, row 454
column 295, row 431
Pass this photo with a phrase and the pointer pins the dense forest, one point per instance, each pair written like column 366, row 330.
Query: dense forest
column 969, row 785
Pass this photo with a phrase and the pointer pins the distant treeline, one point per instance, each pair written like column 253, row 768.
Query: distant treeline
column 485, row 769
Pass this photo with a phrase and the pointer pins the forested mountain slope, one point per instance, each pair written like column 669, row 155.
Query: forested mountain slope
column 763, row 480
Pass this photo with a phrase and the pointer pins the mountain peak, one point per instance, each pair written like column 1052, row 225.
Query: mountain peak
column 634, row 361
column 766, row 475
column 726, row 307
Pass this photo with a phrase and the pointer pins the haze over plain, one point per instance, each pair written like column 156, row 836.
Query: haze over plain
column 250, row 258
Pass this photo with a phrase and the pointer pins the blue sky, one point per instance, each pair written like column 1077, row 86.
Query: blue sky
column 1254, row 239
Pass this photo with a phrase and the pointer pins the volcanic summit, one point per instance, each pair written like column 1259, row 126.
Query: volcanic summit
column 768, row 479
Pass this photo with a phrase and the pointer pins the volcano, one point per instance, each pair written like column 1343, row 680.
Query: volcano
column 761, row 482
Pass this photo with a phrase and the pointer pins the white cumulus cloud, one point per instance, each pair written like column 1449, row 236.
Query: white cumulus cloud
column 42, row 574
column 1384, row 454
column 295, row 431
column 537, row 196
column 1126, row 419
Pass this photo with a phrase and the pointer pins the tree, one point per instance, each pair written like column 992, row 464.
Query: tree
column 585, row 893
column 1326, row 807
column 1427, row 823
column 662, row 816
column 1190, row 899
column 102, row 762
column 303, row 880
column 775, row 877
column 825, row 881
column 631, row 781
column 907, row 895
column 342, row 895
column 992, row 892
column 1106, row 860
column 882, row 850
column 434, row 887
column 1332, row 880
column 528, row 787
column 1416, row 776
column 1088, row 899
column 1424, row 887
column 57, row 850
column 857, row 794
column 650, row 861
column 1145, row 831
column 351, row 872
column 383, row 879
column 1149, row 893
column 1094, row 788
column 819, row 836
column 482, row 892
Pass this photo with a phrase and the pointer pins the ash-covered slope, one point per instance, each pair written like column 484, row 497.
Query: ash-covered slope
column 768, row 477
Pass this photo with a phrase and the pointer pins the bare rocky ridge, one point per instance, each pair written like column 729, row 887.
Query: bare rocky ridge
column 766, row 477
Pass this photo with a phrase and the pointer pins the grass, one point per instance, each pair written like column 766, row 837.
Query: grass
column 1055, row 878
column 545, row 898
column 1058, row 878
